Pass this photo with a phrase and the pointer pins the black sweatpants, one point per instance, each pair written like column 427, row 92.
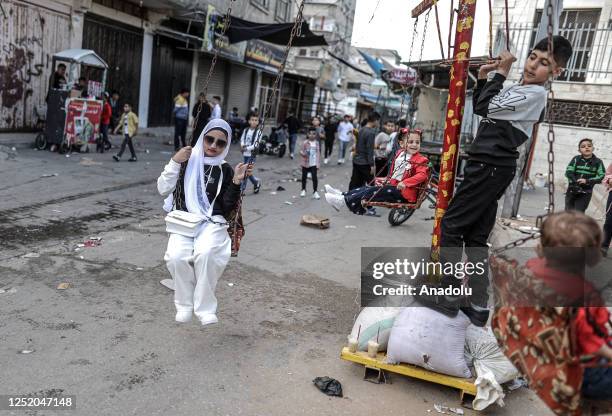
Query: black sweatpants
column 313, row 173
column 607, row 228
column 577, row 201
column 386, row 193
column 127, row 140
column 381, row 166
column 180, row 131
column 469, row 219
column 329, row 146
column 361, row 176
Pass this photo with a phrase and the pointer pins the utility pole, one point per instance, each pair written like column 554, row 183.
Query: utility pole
column 454, row 111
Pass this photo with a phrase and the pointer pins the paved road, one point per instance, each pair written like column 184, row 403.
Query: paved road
column 110, row 337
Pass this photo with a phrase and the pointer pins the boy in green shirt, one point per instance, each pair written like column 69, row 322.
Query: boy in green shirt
column 583, row 172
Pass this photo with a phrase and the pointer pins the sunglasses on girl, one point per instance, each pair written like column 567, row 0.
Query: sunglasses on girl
column 210, row 140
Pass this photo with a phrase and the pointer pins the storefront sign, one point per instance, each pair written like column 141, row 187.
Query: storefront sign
column 82, row 120
column 263, row 55
column 400, row 76
column 213, row 40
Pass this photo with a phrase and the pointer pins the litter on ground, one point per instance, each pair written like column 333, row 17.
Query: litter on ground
column 328, row 385
column 63, row 286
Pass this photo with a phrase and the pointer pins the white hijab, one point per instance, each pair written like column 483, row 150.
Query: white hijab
column 196, row 181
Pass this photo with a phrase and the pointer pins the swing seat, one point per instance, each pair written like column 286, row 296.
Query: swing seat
column 421, row 194
column 539, row 341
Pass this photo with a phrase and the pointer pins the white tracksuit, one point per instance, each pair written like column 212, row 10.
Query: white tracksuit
column 196, row 264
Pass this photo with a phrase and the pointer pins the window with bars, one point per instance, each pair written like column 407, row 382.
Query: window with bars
column 283, row 8
column 264, row 4
column 303, row 52
column 579, row 27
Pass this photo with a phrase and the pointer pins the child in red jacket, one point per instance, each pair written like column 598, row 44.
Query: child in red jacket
column 569, row 242
column 107, row 111
column 409, row 171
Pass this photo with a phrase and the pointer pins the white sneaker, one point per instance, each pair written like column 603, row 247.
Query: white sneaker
column 316, row 195
column 341, row 161
column 309, row 175
column 183, row 316
column 325, row 161
column 303, row 193
column 291, row 155
column 209, row 320
column 331, row 190
column 336, row 201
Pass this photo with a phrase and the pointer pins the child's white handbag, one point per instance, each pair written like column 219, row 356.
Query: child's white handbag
column 183, row 223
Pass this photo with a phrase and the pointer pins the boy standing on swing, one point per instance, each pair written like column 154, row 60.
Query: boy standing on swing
column 508, row 117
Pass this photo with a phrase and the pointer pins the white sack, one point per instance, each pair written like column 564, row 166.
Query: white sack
column 371, row 319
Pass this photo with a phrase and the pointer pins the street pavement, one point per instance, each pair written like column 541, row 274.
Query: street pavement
column 286, row 303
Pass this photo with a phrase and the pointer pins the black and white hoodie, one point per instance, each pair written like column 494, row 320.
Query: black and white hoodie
column 509, row 115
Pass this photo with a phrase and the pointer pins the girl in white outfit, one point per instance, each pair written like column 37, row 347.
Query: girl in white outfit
column 199, row 181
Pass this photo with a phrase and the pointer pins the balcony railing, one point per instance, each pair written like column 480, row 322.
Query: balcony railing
column 591, row 60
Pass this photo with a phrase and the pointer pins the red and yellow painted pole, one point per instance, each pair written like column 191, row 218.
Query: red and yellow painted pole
column 454, row 114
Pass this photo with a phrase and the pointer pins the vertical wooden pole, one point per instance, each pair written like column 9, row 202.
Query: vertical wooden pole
column 454, row 114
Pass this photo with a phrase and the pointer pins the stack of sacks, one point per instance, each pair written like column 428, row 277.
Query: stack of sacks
column 373, row 322
column 429, row 339
column 491, row 366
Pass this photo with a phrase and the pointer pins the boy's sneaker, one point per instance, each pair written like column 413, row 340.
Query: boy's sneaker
column 371, row 212
column 291, row 155
column 132, row 159
column 331, row 190
column 257, row 188
column 316, row 195
column 117, row 158
column 303, row 193
column 325, row 161
column 336, row 201
column 183, row 316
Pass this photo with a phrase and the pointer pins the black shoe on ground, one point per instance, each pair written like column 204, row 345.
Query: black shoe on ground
column 117, row 158
column 477, row 318
column 132, row 159
column 257, row 188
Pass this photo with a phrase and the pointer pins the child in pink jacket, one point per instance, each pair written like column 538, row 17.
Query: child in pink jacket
column 310, row 161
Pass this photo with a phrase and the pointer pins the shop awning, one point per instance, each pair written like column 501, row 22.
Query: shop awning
column 277, row 33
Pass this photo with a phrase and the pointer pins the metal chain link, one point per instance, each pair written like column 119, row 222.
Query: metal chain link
column 411, row 125
column 227, row 20
column 404, row 89
column 295, row 31
column 551, row 142
column 550, row 115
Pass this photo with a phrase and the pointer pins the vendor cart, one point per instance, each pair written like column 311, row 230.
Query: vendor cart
column 73, row 119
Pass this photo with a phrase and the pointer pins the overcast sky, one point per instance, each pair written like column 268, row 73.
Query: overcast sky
column 392, row 27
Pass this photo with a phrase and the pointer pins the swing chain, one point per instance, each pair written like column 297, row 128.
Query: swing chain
column 550, row 116
column 226, row 23
column 404, row 89
column 515, row 243
column 295, row 31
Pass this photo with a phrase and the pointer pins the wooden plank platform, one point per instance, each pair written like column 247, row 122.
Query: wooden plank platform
column 465, row 385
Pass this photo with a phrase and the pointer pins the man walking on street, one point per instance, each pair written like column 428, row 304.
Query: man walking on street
column 345, row 129
column 293, row 126
column 181, row 118
column 363, row 163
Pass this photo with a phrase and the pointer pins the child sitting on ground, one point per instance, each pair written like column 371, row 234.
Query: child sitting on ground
column 569, row 242
column 408, row 171
column 310, row 161
column 583, row 172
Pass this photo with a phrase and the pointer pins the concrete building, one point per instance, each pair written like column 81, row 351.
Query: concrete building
column 153, row 49
column 334, row 20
